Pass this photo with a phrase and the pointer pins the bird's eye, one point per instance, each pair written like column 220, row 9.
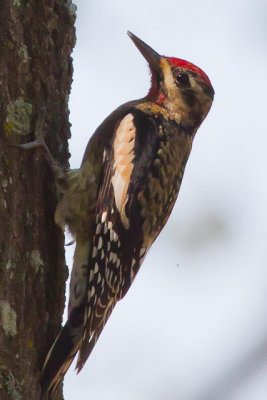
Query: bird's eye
column 182, row 80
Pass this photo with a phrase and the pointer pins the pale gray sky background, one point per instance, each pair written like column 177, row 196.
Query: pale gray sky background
column 193, row 326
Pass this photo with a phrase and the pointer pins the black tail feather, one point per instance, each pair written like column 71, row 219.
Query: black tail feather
column 58, row 360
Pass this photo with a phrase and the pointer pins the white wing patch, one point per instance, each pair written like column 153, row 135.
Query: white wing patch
column 123, row 147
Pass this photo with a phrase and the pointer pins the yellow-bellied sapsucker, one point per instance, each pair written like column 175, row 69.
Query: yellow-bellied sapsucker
column 119, row 200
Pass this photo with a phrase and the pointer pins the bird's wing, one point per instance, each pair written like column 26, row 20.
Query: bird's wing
column 116, row 250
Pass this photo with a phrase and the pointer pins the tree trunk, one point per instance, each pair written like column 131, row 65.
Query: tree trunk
column 36, row 39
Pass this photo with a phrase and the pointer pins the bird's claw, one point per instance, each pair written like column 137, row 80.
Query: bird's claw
column 39, row 142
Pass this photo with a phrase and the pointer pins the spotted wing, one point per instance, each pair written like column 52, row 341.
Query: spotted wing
column 116, row 250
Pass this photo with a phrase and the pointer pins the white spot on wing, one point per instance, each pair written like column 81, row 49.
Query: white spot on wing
column 100, row 242
column 112, row 257
column 96, row 268
column 142, row 252
column 104, row 216
column 92, row 291
column 132, row 274
column 101, row 304
column 98, row 228
column 115, row 236
column 91, row 276
column 94, row 252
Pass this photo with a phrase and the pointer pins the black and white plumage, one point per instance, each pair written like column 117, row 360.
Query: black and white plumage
column 119, row 200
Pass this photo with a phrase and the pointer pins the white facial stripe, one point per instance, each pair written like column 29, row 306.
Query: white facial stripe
column 168, row 77
column 123, row 147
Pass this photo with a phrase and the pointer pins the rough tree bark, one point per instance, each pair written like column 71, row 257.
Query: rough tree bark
column 36, row 39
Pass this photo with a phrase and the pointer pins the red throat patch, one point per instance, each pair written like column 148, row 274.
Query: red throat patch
column 178, row 62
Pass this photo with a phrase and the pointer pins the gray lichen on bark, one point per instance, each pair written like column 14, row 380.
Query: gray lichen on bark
column 8, row 319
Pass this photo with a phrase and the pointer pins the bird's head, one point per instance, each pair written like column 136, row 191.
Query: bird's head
column 177, row 85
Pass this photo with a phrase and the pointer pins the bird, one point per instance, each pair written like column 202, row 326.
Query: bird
column 118, row 201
